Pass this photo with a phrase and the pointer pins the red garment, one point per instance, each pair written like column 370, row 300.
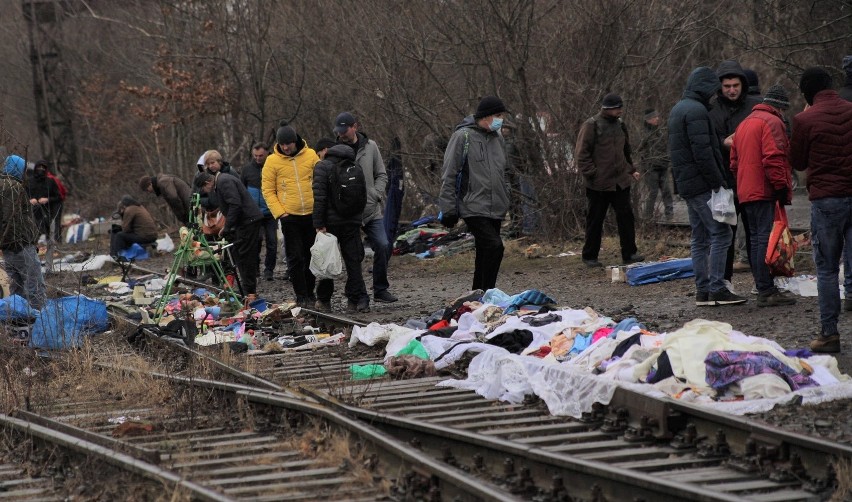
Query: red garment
column 759, row 156
column 822, row 144
column 438, row 325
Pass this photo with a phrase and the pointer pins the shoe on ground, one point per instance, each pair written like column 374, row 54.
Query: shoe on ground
column 826, row 344
column 634, row 258
column 268, row 275
column 774, row 299
column 729, row 286
column 754, row 290
column 384, row 297
column 362, row 305
column 847, row 304
column 725, row 297
column 323, row 305
column 741, row 266
column 286, row 276
column 592, row 263
column 702, row 299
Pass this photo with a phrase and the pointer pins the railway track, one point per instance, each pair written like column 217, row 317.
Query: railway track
column 633, row 449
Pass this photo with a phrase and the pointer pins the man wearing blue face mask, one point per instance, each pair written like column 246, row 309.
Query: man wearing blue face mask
column 474, row 186
column 602, row 154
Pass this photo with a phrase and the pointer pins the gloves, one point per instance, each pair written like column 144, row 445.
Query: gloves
column 449, row 220
column 782, row 196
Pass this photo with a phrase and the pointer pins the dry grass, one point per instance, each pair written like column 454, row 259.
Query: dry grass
column 843, row 471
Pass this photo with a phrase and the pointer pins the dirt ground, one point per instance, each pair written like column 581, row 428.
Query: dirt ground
column 424, row 286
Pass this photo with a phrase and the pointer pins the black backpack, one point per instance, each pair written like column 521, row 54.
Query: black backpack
column 348, row 188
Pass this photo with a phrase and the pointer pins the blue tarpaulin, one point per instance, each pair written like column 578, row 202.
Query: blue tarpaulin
column 63, row 322
column 15, row 307
column 660, row 272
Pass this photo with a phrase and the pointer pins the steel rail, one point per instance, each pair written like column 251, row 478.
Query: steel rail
column 71, row 439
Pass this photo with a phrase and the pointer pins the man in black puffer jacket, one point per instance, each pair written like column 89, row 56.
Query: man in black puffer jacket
column 347, row 229
column 697, row 169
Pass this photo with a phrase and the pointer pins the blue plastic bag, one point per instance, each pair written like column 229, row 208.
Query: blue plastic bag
column 134, row 252
column 63, row 322
column 15, row 307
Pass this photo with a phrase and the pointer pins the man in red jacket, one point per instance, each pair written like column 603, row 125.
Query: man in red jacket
column 822, row 145
column 759, row 161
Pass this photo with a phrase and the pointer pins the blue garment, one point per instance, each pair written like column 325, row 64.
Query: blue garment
column 581, row 343
column 660, row 272
column 496, row 297
column 625, row 325
column 15, row 307
column 831, row 232
column 256, row 194
column 528, row 297
column 709, row 246
column 760, row 215
column 62, row 322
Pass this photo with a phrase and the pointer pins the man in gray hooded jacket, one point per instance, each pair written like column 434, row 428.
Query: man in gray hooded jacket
column 474, row 186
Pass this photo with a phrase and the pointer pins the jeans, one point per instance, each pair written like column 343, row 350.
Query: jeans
column 760, row 216
column 375, row 230
column 489, row 250
column 352, row 251
column 269, row 233
column 599, row 202
column 299, row 235
column 25, row 278
column 831, row 231
column 709, row 247
column 658, row 181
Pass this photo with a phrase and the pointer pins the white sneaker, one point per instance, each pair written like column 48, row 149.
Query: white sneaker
column 754, row 290
column 729, row 287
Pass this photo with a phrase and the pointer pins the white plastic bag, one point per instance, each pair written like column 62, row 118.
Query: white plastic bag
column 166, row 244
column 326, row 261
column 722, row 206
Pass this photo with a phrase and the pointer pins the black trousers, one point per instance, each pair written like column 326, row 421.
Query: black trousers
column 599, row 202
column 489, row 250
column 299, row 235
column 246, row 255
column 119, row 241
column 352, row 250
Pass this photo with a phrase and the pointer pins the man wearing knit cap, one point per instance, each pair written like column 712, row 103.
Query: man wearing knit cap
column 369, row 159
column 760, row 163
column 821, row 145
column 286, row 184
column 473, row 186
column 733, row 104
column 603, row 157
column 18, row 235
column 654, row 159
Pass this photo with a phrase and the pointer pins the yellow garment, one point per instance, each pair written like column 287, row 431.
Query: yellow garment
column 286, row 182
column 688, row 347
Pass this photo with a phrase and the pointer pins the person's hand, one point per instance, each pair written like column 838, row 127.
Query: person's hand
column 636, row 175
column 43, row 200
column 782, row 195
column 449, row 220
column 321, row 230
column 34, row 201
column 729, row 141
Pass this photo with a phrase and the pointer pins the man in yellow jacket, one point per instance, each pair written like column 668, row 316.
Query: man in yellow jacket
column 286, row 185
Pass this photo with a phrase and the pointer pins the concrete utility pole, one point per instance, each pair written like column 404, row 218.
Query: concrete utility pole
column 53, row 107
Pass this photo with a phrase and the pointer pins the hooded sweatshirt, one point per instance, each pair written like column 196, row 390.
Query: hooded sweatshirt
column 693, row 143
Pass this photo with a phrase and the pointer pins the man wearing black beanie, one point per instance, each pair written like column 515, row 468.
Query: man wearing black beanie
column 474, row 186
column 822, row 145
